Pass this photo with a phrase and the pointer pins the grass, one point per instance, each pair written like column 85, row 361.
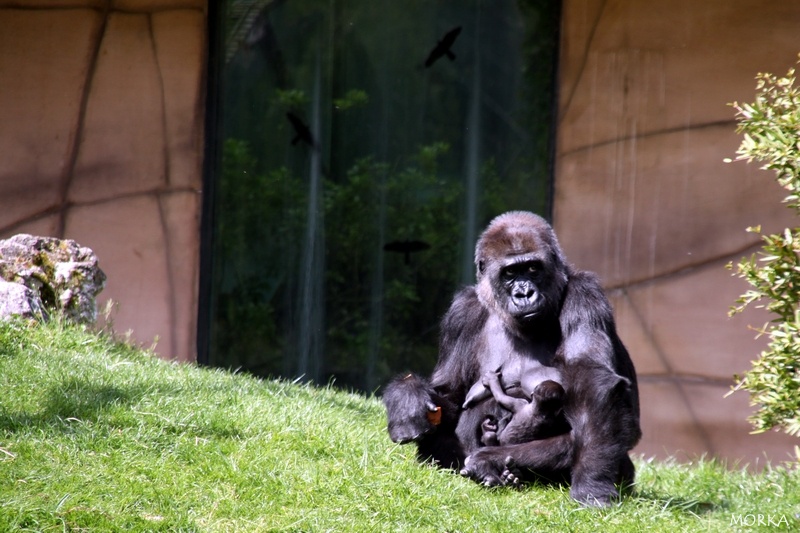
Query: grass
column 96, row 435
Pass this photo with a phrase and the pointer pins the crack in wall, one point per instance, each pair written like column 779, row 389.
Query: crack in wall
column 709, row 262
column 162, row 209
column 584, row 60
column 65, row 182
column 683, row 395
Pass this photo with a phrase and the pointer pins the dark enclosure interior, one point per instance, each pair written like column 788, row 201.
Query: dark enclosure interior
column 357, row 147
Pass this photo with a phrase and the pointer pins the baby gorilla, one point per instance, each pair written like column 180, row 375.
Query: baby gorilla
column 539, row 418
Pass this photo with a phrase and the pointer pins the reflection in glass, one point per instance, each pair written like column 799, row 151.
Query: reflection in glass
column 362, row 146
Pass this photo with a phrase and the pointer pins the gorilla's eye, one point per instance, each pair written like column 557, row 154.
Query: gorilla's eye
column 533, row 267
column 508, row 274
column 520, row 269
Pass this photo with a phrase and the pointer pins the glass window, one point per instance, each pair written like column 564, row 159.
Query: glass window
column 359, row 146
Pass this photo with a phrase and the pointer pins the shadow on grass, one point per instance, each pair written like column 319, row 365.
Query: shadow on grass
column 689, row 506
column 634, row 496
column 82, row 400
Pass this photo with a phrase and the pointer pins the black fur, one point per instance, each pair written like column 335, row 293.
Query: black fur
column 411, row 403
column 537, row 417
column 529, row 309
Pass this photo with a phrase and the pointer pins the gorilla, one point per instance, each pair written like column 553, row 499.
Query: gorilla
column 513, row 378
column 533, row 312
column 537, row 417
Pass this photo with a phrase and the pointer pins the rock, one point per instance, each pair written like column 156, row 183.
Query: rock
column 62, row 275
column 18, row 300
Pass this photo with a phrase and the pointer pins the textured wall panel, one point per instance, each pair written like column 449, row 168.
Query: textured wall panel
column 41, row 86
column 642, row 197
column 101, row 138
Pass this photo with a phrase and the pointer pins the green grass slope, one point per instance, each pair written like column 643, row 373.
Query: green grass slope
column 99, row 436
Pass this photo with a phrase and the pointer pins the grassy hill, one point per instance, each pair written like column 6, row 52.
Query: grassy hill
column 96, row 435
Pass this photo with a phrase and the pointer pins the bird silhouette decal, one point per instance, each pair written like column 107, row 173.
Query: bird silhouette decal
column 406, row 248
column 443, row 47
column 301, row 130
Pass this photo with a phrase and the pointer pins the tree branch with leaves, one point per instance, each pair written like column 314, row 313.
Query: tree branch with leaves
column 771, row 129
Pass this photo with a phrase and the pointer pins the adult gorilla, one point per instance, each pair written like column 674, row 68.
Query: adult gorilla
column 529, row 313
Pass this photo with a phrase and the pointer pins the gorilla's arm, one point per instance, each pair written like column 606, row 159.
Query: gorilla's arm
column 515, row 405
column 461, row 342
column 602, row 407
column 591, row 344
column 604, row 396
column 410, row 398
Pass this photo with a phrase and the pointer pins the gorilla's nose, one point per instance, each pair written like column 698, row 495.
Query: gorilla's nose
column 522, row 290
column 527, row 293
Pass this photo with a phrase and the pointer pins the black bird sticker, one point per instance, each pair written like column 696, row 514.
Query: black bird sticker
column 301, row 130
column 442, row 48
column 406, row 247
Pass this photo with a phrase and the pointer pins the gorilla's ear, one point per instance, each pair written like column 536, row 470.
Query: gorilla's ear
column 620, row 388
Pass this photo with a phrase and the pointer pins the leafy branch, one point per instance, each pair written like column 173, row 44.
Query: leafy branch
column 771, row 129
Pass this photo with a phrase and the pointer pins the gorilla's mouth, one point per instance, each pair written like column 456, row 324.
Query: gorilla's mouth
column 404, row 435
column 527, row 310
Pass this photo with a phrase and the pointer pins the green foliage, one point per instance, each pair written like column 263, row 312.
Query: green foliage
column 771, row 128
column 303, row 281
column 353, row 98
column 261, row 233
column 97, row 435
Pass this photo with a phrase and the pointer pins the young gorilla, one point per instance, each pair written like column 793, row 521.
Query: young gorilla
column 429, row 419
column 539, row 417
column 533, row 404
column 531, row 309
column 519, row 374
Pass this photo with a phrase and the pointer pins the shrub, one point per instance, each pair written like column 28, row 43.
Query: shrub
column 771, row 128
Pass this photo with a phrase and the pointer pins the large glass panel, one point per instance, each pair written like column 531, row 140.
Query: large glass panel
column 362, row 146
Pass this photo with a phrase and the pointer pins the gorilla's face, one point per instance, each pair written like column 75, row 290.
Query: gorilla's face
column 521, row 272
column 518, row 285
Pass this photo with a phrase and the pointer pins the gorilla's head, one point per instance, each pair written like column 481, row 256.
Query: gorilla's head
column 522, row 272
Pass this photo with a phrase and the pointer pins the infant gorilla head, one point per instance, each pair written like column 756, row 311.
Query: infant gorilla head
column 538, row 418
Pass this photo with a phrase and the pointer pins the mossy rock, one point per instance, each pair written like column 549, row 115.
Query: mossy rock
column 65, row 275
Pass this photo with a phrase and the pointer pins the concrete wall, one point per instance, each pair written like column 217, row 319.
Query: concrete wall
column 642, row 196
column 101, row 142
